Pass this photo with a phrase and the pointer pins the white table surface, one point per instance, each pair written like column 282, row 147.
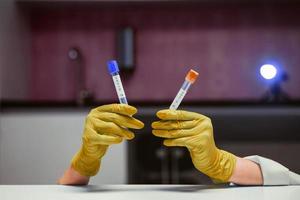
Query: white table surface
column 144, row 192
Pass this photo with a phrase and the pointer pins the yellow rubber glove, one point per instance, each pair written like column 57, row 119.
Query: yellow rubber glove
column 195, row 131
column 104, row 125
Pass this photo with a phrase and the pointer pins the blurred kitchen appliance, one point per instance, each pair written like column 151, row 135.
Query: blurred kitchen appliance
column 274, row 77
column 126, row 49
column 83, row 95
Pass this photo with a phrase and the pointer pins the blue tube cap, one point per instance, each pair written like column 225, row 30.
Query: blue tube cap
column 112, row 66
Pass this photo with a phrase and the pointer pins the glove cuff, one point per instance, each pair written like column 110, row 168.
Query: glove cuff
column 85, row 165
column 223, row 168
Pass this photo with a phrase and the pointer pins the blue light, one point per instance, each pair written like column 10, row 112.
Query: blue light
column 268, row 71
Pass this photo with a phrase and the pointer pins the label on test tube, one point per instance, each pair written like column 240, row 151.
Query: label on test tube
column 180, row 95
column 189, row 80
column 119, row 89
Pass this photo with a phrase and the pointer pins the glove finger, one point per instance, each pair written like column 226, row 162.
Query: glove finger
column 92, row 137
column 174, row 133
column 123, row 109
column 173, row 125
column 178, row 115
column 196, row 141
column 111, row 128
column 121, row 120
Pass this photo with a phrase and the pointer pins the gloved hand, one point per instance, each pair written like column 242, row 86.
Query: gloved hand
column 195, row 131
column 104, row 125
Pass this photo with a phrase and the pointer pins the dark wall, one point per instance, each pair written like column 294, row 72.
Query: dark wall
column 226, row 43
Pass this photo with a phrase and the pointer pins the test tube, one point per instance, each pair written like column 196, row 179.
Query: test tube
column 189, row 80
column 114, row 72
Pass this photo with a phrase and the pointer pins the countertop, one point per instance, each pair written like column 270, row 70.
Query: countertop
column 153, row 192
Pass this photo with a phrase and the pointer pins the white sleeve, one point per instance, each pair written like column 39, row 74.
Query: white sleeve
column 274, row 173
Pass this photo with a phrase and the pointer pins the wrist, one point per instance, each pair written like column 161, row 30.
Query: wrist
column 72, row 177
column 246, row 172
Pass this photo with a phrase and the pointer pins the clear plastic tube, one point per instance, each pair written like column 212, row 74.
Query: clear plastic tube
column 114, row 72
column 189, row 80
